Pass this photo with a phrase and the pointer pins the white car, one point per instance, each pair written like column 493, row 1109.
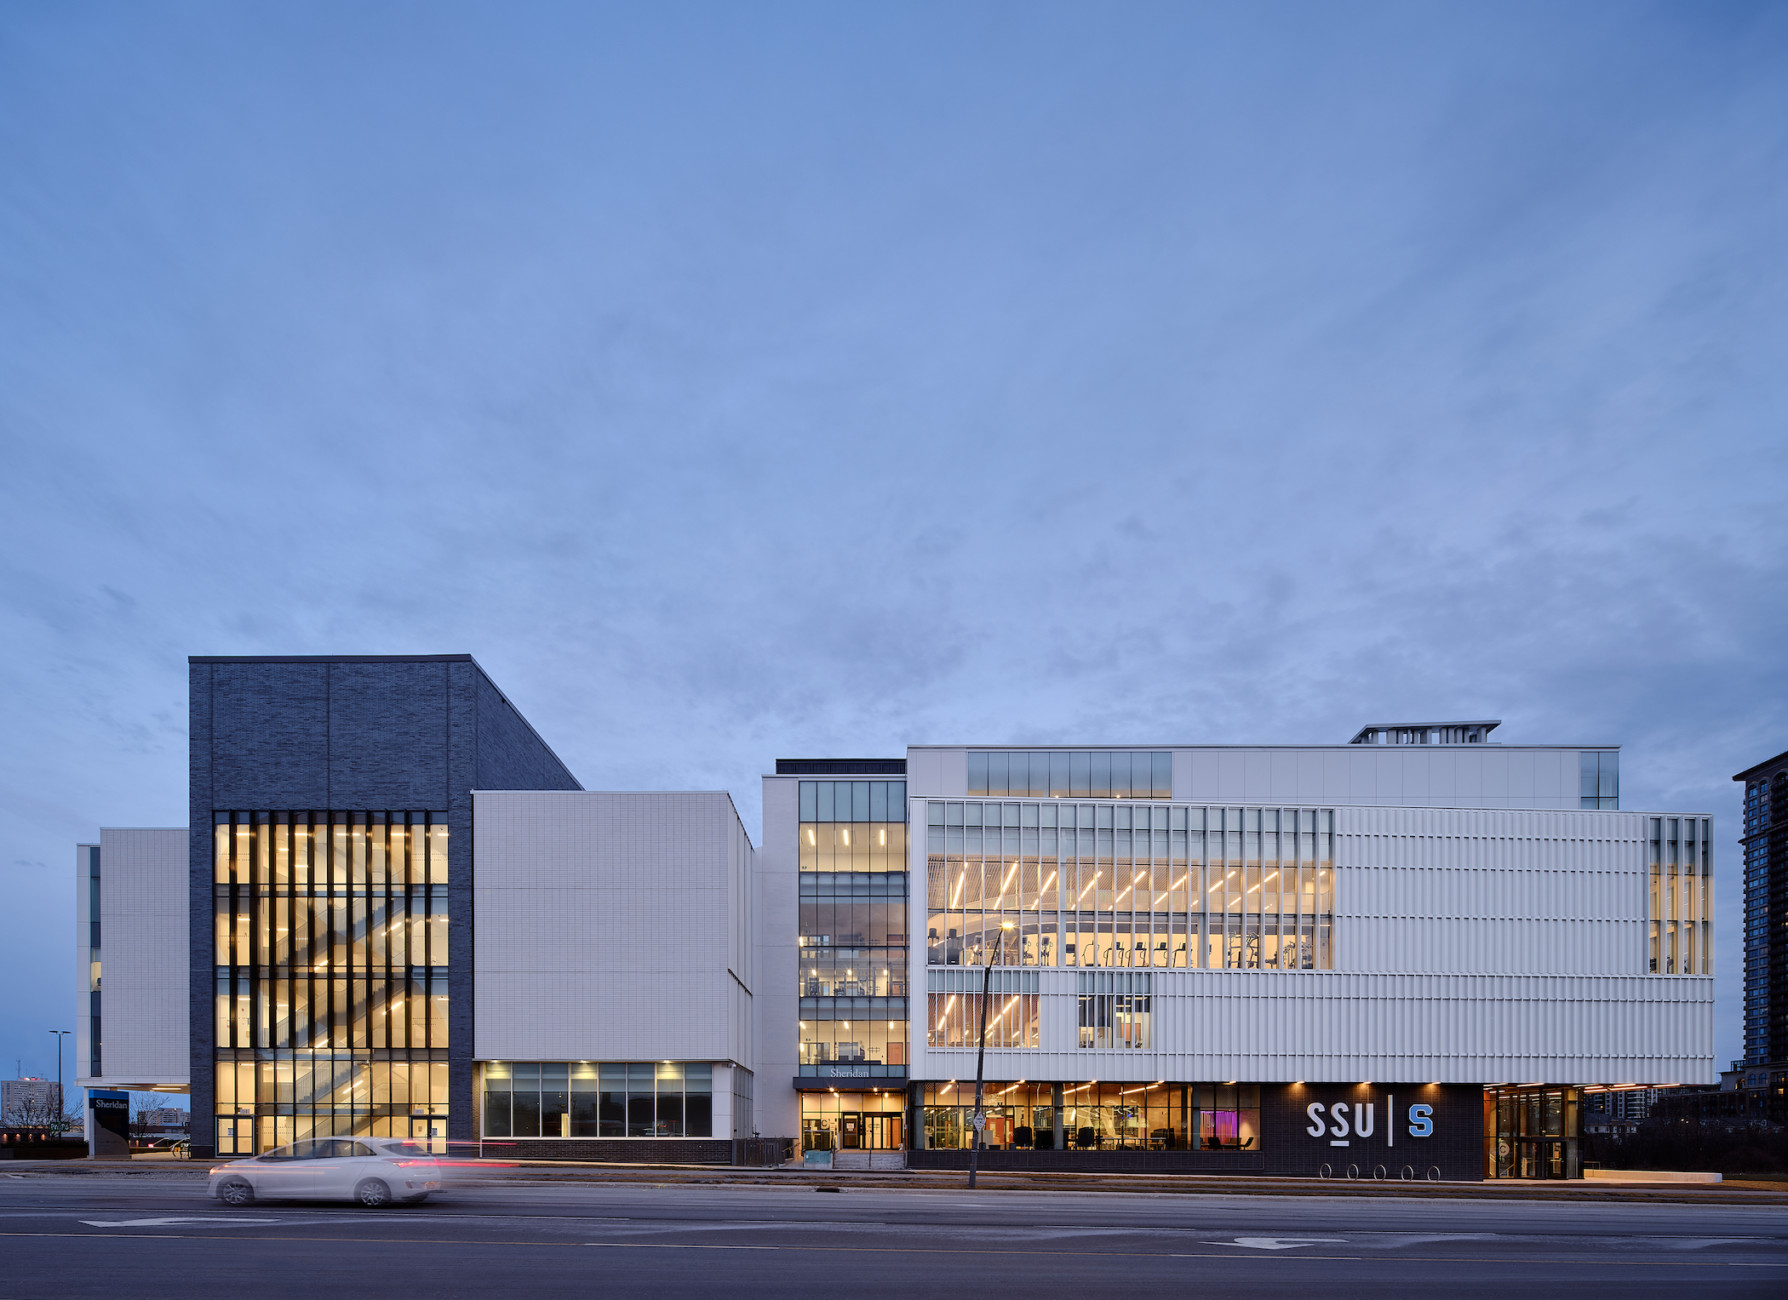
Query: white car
column 373, row 1171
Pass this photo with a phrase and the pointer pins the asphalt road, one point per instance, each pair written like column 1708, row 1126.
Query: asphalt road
column 150, row 1234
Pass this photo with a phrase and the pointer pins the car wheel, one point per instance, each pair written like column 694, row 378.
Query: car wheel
column 236, row 1192
column 373, row 1193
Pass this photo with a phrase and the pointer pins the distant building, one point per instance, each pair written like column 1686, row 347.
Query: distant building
column 1617, row 1111
column 30, row 1101
column 1766, row 912
column 169, row 1122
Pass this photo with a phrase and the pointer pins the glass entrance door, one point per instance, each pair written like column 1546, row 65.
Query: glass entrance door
column 1531, row 1133
column 850, row 1130
column 882, row 1132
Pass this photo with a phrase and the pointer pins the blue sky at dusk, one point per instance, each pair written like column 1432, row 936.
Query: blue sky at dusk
column 742, row 381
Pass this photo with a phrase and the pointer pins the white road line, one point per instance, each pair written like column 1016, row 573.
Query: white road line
column 1279, row 1243
column 224, row 1220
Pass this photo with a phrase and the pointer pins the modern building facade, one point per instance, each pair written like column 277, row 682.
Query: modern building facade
column 403, row 915
column 1765, row 847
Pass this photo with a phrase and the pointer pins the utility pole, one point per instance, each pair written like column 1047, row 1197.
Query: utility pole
column 61, row 1103
column 980, row 1120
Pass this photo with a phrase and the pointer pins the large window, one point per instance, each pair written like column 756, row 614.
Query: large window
column 591, row 1099
column 953, row 1008
column 1599, row 772
column 1114, row 1008
column 851, row 941
column 330, row 935
column 1096, row 1116
column 1065, row 774
column 1681, row 931
column 1098, row 885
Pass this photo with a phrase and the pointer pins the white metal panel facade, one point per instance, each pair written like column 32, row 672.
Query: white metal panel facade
column 1471, row 946
column 1438, row 776
column 144, row 960
column 778, row 1003
column 612, row 927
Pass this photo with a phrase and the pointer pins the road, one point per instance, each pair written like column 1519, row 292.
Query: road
column 150, row 1234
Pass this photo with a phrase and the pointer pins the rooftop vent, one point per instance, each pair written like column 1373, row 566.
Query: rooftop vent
column 1425, row 733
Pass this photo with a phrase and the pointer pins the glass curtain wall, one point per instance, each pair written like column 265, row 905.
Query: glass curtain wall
column 1681, row 932
column 852, row 940
column 94, row 965
column 330, row 936
column 1064, row 774
column 598, row 1099
column 1127, row 886
column 1097, row 1116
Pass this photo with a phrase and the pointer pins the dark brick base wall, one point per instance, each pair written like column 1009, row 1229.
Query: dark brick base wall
column 1454, row 1147
column 644, row 1151
column 1087, row 1162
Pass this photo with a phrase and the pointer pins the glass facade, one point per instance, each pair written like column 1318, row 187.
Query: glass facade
column 1766, row 914
column 851, row 945
column 1067, row 774
column 1126, row 886
column 598, row 1099
column 94, row 1055
column 953, row 1008
column 330, row 942
column 1096, row 1116
column 853, row 1121
column 1600, row 779
column 1681, row 930
column 1531, row 1133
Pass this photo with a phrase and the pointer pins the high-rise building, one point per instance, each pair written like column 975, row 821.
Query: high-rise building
column 1766, row 911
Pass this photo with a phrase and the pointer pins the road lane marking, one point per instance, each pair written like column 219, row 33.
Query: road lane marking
column 1280, row 1243
column 218, row 1221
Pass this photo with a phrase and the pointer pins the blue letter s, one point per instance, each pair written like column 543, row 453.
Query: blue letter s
column 1421, row 1121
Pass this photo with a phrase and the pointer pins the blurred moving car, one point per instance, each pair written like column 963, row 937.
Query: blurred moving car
column 372, row 1171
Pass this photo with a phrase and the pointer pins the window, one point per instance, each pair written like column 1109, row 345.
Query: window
column 1600, row 779
column 1114, row 1009
column 1057, row 774
column 851, row 940
column 1095, row 1116
column 331, row 968
column 589, row 1099
column 953, row 1008
column 1680, row 933
column 1122, row 885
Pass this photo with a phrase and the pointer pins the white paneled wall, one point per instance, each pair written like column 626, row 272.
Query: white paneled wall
column 1471, row 946
column 612, row 927
column 144, row 958
column 1439, row 776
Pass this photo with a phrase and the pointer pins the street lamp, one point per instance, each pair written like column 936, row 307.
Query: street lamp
column 981, row 1052
column 61, row 1102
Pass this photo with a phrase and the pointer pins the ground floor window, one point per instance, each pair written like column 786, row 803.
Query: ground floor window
column 853, row 1121
column 587, row 1099
column 267, row 1099
column 1096, row 1116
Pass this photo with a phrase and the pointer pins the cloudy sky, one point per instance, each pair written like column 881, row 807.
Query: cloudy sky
column 757, row 380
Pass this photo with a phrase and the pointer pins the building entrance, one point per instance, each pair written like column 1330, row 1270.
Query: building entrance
column 1531, row 1133
column 859, row 1131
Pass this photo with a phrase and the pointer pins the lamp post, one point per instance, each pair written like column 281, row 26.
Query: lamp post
column 980, row 1120
column 61, row 1103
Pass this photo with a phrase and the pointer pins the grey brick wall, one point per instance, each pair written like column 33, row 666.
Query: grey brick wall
column 347, row 734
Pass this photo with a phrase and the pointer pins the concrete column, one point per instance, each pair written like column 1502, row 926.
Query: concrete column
column 1055, row 1101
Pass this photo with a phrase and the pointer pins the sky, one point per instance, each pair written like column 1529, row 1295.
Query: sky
column 749, row 381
